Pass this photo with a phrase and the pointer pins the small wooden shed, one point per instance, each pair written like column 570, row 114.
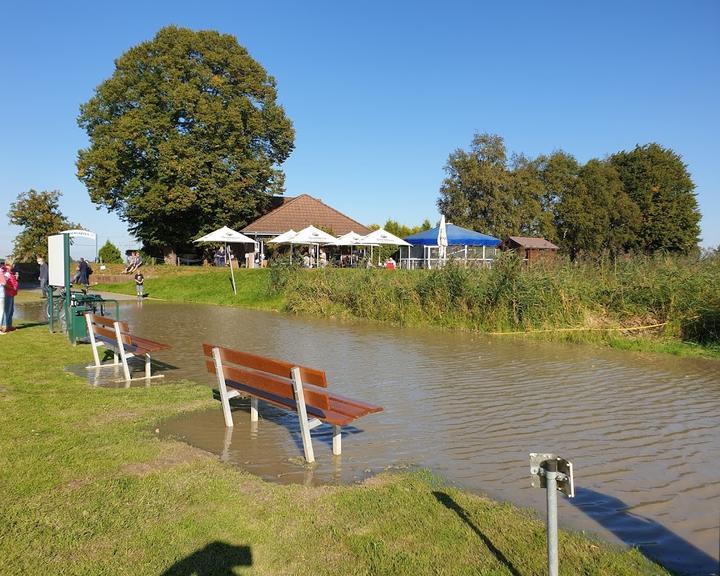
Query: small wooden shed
column 531, row 249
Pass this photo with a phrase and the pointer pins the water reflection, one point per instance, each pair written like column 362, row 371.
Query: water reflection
column 639, row 428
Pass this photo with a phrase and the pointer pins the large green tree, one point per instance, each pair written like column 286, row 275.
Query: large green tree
column 659, row 183
column 594, row 214
column 185, row 136
column 488, row 192
column 477, row 192
column 38, row 213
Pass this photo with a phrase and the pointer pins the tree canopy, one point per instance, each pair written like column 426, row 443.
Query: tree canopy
column 658, row 181
column 640, row 200
column 38, row 213
column 185, row 136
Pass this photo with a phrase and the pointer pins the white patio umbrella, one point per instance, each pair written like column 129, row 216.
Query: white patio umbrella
column 284, row 238
column 442, row 239
column 349, row 239
column 312, row 237
column 381, row 237
column 227, row 236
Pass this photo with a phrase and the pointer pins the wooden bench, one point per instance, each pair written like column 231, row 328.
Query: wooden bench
column 116, row 336
column 286, row 385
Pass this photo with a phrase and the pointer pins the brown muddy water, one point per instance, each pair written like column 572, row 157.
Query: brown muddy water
column 641, row 429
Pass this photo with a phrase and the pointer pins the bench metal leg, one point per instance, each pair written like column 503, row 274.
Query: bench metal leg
column 93, row 344
column 121, row 350
column 253, row 409
column 302, row 415
column 224, row 399
column 148, row 371
column 337, row 440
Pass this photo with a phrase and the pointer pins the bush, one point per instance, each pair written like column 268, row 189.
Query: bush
column 109, row 254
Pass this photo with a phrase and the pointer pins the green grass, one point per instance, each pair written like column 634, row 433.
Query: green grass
column 208, row 286
column 88, row 488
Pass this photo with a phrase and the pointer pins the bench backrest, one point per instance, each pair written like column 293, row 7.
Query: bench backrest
column 104, row 326
column 273, row 378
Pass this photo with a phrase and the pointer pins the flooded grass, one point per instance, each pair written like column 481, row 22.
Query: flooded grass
column 88, row 488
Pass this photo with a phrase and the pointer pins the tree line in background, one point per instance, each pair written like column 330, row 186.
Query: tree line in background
column 637, row 201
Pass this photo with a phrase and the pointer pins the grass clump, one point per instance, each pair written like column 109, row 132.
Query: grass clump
column 88, row 488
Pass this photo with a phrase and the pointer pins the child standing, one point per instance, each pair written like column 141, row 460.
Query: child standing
column 139, row 282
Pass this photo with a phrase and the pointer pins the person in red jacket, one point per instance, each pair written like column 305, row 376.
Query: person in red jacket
column 11, row 289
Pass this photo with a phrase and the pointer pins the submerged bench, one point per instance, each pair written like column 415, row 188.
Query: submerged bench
column 286, row 385
column 116, row 336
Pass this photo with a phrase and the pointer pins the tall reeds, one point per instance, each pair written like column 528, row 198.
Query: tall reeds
column 683, row 294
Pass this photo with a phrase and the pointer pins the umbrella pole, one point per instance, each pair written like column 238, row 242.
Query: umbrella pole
column 232, row 274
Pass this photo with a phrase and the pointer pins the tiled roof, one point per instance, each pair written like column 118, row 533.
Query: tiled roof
column 526, row 242
column 300, row 212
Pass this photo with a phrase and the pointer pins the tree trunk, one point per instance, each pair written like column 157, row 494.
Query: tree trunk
column 169, row 256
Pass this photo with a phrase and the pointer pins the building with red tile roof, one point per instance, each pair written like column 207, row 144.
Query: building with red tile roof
column 300, row 212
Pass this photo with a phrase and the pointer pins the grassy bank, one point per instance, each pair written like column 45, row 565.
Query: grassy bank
column 660, row 305
column 88, row 488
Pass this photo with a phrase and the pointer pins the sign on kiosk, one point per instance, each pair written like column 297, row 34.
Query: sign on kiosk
column 57, row 264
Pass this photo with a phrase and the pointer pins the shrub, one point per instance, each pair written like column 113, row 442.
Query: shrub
column 109, row 254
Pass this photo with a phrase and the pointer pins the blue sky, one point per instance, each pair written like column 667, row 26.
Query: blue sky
column 380, row 93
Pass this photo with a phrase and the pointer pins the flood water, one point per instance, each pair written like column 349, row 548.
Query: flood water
column 641, row 430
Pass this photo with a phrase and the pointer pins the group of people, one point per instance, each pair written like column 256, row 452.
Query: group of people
column 309, row 259
column 82, row 273
column 8, row 291
column 133, row 263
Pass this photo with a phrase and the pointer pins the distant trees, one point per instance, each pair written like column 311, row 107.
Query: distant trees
column 641, row 200
column 185, row 136
column 38, row 213
column 402, row 230
column 110, row 254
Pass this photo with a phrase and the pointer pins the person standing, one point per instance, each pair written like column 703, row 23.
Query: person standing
column 43, row 277
column 83, row 273
column 10, row 288
column 139, row 284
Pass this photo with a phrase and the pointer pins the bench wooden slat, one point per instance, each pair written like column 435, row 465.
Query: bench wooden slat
column 280, row 389
column 143, row 345
column 326, row 415
column 341, row 403
column 263, row 364
column 106, row 321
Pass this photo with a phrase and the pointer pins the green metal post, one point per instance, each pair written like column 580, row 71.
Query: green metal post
column 66, row 258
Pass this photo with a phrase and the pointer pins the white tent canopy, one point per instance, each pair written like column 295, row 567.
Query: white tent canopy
column 381, row 237
column 312, row 235
column 283, row 238
column 227, row 236
column 349, row 239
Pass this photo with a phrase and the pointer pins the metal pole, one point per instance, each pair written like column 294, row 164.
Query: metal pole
column 232, row 274
column 552, row 535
